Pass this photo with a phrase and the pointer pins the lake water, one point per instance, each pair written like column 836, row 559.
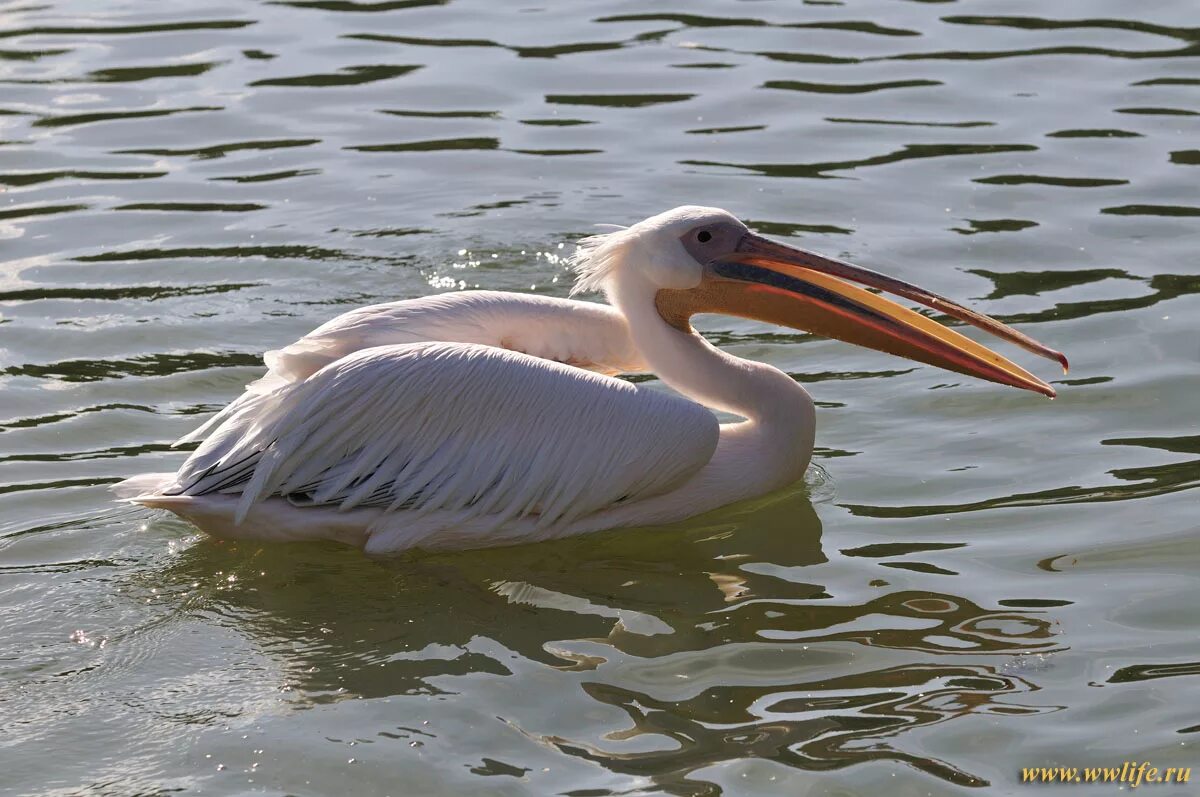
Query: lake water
column 974, row 581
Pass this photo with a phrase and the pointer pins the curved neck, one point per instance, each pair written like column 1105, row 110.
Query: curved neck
column 762, row 394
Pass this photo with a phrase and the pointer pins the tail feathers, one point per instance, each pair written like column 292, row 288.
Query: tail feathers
column 144, row 485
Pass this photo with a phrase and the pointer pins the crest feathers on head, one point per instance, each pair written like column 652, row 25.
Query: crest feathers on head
column 596, row 256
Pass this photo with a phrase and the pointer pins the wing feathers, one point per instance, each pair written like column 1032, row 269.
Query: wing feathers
column 455, row 426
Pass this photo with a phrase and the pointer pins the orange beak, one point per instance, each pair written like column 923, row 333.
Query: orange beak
column 771, row 282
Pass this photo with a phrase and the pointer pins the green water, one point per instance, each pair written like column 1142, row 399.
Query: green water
column 976, row 580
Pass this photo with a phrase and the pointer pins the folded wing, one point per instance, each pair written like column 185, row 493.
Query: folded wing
column 454, row 426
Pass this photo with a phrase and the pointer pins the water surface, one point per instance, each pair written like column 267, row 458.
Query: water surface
column 983, row 580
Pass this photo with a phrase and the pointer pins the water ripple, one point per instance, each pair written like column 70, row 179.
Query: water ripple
column 909, row 152
column 221, row 150
column 67, row 120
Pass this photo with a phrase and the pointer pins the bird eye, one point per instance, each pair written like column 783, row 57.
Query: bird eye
column 704, row 236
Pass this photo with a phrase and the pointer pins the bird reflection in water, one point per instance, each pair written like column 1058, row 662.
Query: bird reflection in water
column 787, row 672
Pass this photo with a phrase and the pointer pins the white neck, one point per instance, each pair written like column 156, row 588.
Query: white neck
column 779, row 413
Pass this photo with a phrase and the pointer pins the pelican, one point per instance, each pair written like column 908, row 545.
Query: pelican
column 485, row 418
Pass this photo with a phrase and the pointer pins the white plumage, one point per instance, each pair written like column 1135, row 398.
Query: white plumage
column 586, row 335
column 458, row 426
column 487, row 418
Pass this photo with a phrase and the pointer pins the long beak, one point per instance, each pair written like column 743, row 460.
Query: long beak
column 791, row 287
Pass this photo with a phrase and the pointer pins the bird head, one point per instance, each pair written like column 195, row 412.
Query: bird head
column 704, row 260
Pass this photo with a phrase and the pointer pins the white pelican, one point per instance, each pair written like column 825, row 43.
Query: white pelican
column 484, row 418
